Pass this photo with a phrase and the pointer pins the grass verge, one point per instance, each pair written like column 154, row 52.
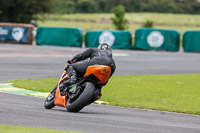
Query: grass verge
column 174, row 93
column 17, row 129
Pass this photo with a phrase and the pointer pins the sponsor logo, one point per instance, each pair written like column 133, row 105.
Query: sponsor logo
column 155, row 39
column 107, row 37
column 106, row 71
column 3, row 31
column 17, row 33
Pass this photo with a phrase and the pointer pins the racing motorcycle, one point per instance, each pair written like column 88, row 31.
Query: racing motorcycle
column 86, row 90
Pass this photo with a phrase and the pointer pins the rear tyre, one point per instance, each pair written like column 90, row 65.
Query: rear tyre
column 83, row 99
column 49, row 101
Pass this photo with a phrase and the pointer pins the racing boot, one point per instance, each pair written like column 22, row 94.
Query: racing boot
column 72, row 77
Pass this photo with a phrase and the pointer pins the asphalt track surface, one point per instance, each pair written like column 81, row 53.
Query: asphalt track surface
column 18, row 62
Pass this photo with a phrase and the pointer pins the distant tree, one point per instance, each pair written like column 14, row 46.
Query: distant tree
column 103, row 4
column 119, row 20
column 23, row 11
column 87, row 6
column 148, row 24
column 64, row 6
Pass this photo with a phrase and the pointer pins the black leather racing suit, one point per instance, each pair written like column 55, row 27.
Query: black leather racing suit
column 91, row 56
column 94, row 56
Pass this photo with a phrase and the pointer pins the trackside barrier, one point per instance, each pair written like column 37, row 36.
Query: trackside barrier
column 157, row 39
column 116, row 39
column 59, row 36
column 16, row 33
column 191, row 41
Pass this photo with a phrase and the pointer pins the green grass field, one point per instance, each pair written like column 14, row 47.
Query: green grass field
column 18, row 129
column 174, row 93
column 181, row 22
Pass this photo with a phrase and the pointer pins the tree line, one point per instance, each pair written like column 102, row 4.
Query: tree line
column 25, row 10
column 106, row 6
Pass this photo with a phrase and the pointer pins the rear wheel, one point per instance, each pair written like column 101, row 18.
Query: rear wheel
column 49, row 101
column 83, row 99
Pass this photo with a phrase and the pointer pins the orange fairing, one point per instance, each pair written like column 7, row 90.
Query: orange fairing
column 61, row 100
column 100, row 71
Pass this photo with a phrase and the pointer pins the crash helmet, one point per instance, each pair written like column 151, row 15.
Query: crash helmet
column 104, row 46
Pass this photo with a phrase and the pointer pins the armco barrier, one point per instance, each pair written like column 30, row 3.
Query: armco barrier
column 191, row 41
column 157, row 39
column 116, row 39
column 59, row 36
column 16, row 33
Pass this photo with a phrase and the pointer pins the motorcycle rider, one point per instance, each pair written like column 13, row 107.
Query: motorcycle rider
column 92, row 56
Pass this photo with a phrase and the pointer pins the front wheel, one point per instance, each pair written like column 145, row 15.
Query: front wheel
column 49, row 101
column 83, row 99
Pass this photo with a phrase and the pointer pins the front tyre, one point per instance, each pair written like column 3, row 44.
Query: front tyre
column 49, row 101
column 83, row 99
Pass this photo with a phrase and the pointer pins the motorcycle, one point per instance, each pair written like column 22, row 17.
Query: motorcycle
column 85, row 91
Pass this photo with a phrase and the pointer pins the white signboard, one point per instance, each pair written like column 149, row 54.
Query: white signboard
column 155, row 39
column 107, row 37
